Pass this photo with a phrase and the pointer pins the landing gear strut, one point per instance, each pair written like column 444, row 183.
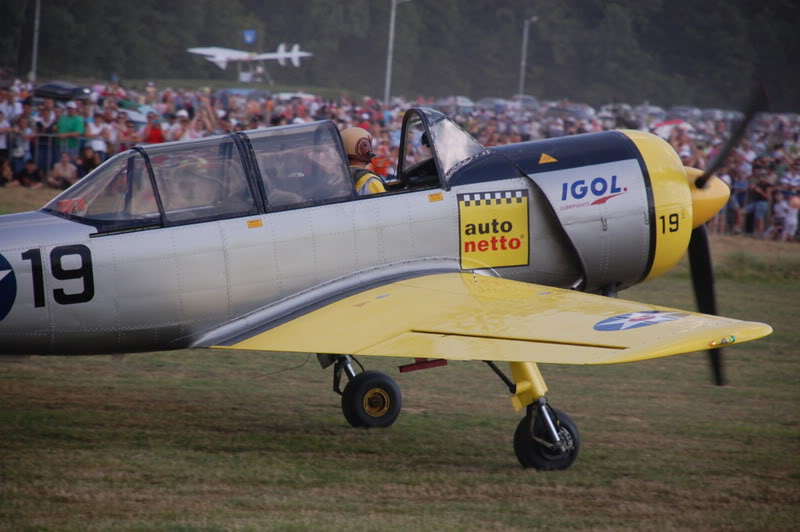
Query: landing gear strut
column 370, row 399
column 546, row 438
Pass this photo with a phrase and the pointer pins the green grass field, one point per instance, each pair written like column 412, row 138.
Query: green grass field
column 202, row 440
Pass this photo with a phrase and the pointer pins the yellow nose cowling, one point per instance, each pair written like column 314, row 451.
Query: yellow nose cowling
column 706, row 201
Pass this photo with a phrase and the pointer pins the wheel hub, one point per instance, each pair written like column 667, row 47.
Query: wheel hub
column 376, row 402
column 566, row 445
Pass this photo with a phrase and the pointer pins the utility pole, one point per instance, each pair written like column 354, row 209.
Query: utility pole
column 524, row 53
column 390, row 52
column 37, row 10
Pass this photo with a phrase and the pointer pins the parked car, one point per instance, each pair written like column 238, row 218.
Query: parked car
column 526, row 101
column 498, row 105
column 583, row 110
column 286, row 97
column 618, row 115
column 571, row 111
column 454, row 104
column 713, row 114
column 684, row 112
column 248, row 94
column 61, row 90
column 618, row 107
column 732, row 115
column 648, row 114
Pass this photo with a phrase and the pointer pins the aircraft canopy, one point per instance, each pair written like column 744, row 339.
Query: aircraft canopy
column 251, row 172
column 212, row 178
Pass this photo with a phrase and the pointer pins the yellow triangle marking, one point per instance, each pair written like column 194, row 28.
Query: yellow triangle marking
column 547, row 159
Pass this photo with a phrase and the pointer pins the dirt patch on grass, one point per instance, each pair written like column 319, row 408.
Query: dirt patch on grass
column 19, row 199
column 725, row 244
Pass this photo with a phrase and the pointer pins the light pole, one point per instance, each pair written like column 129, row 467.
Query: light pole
column 390, row 51
column 524, row 53
column 32, row 75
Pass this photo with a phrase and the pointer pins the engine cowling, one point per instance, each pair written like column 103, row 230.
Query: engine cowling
column 623, row 198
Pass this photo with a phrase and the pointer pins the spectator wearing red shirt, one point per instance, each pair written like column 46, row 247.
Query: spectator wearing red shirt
column 365, row 123
column 152, row 133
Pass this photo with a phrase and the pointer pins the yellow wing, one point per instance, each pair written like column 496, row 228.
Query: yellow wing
column 471, row 317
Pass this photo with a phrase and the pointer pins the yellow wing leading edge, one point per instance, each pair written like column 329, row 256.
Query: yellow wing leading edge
column 464, row 316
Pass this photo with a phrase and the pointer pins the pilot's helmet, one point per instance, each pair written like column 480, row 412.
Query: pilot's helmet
column 358, row 144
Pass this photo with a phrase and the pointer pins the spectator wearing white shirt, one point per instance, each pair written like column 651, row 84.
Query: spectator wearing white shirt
column 790, row 182
column 9, row 105
column 790, row 220
column 5, row 129
column 119, row 129
column 98, row 133
column 779, row 211
column 179, row 128
column 23, row 136
column 112, row 130
column 64, row 173
column 170, row 127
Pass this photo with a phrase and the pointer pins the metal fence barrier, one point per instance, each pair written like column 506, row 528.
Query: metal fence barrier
column 46, row 149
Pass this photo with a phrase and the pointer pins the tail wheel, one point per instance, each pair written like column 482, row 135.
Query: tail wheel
column 532, row 449
column 371, row 399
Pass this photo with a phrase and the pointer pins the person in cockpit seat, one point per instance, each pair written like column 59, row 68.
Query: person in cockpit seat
column 358, row 145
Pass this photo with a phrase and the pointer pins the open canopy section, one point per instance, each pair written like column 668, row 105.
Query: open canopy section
column 433, row 147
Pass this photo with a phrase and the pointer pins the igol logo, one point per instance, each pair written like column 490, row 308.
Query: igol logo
column 601, row 188
column 8, row 287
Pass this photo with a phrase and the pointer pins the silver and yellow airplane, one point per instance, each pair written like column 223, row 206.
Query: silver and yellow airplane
column 257, row 241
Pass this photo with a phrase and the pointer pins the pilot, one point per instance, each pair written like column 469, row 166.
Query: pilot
column 358, row 145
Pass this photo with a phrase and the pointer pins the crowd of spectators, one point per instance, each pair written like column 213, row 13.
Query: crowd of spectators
column 49, row 143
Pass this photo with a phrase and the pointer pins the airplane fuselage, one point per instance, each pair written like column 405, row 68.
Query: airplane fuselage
column 173, row 246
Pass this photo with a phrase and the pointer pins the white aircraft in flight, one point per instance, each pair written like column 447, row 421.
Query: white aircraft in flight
column 222, row 56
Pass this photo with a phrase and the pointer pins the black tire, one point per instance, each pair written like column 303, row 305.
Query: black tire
column 531, row 453
column 371, row 400
column 348, row 410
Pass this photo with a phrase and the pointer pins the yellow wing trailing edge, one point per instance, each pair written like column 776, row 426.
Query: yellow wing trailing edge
column 463, row 316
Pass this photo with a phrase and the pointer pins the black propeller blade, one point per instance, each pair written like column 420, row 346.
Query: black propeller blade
column 699, row 248
column 703, row 282
column 758, row 103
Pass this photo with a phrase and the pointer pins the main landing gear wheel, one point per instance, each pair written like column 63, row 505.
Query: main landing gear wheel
column 371, row 399
column 534, row 443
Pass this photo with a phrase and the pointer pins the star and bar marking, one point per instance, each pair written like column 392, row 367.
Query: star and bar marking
column 634, row 320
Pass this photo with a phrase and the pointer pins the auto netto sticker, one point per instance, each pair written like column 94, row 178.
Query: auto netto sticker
column 494, row 229
column 634, row 320
column 8, row 287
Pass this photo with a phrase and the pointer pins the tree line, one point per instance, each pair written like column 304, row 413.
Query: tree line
column 597, row 51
